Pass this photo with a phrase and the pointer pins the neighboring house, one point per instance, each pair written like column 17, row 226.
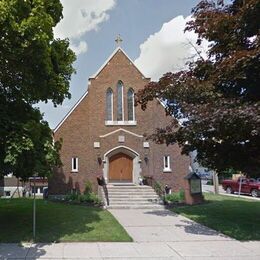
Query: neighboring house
column 105, row 134
column 10, row 186
column 203, row 172
column 40, row 184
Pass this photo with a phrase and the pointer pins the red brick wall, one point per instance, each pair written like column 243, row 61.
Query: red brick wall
column 86, row 124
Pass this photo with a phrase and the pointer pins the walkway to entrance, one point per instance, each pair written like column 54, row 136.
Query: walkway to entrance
column 162, row 225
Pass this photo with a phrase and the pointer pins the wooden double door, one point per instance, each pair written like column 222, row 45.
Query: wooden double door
column 120, row 168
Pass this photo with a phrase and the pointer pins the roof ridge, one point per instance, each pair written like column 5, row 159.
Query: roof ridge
column 110, row 57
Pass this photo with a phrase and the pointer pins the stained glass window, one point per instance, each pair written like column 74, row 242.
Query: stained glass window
column 109, row 105
column 130, row 104
column 120, row 101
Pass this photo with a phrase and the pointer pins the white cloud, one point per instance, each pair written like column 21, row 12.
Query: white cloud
column 79, row 48
column 169, row 49
column 80, row 17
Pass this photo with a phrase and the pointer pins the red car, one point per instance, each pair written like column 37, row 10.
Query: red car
column 248, row 186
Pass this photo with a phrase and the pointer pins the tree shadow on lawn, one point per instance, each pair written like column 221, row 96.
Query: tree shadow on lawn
column 54, row 221
column 236, row 218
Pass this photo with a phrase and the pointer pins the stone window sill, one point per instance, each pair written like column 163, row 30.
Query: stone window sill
column 108, row 123
column 167, row 170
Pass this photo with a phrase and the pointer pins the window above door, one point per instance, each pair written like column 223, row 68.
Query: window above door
column 123, row 114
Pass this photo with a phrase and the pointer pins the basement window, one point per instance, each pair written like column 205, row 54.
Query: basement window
column 7, row 193
column 74, row 164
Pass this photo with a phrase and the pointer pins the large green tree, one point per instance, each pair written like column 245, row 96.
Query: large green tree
column 34, row 66
column 216, row 101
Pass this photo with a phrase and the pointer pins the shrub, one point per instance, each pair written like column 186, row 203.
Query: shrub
column 182, row 195
column 88, row 187
column 175, row 196
column 72, row 196
column 89, row 198
column 158, row 188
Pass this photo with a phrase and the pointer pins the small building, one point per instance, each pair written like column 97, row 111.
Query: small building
column 10, row 186
column 106, row 134
column 40, row 184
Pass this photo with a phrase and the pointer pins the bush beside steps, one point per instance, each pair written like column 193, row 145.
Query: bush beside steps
column 174, row 199
column 87, row 199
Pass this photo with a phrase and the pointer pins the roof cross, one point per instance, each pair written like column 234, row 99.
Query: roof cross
column 118, row 40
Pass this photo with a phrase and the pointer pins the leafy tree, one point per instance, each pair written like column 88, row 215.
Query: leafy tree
column 217, row 99
column 33, row 67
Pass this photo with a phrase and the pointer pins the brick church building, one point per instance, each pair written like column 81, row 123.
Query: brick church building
column 104, row 133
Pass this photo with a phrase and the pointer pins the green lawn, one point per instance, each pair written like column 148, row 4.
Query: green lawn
column 236, row 217
column 57, row 222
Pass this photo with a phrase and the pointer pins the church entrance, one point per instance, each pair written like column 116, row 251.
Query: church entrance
column 120, row 168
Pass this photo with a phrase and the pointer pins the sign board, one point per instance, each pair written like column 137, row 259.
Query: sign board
column 195, row 186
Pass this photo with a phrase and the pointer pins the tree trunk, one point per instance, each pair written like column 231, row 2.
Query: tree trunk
column 215, row 183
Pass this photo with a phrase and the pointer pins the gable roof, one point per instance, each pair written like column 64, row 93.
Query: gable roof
column 118, row 49
column 70, row 111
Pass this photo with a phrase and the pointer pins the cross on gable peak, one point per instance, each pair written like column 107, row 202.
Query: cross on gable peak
column 118, row 40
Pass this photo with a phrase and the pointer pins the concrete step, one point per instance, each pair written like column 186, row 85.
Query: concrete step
column 151, row 206
column 131, row 190
column 126, row 196
column 129, row 186
column 133, row 202
column 133, row 196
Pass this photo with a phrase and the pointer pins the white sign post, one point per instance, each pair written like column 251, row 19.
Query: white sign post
column 240, row 184
column 34, row 209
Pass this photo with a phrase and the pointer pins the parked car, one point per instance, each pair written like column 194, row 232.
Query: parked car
column 247, row 186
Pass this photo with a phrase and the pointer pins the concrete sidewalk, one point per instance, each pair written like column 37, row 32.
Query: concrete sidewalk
column 145, row 250
column 157, row 234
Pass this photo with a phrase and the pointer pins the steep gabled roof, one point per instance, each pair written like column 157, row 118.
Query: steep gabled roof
column 118, row 49
column 71, row 110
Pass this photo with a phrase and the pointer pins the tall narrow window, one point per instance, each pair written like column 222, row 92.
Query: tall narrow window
column 130, row 104
column 120, row 113
column 74, row 164
column 109, row 105
column 166, row 163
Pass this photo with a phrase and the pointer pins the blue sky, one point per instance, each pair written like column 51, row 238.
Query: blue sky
column 152, row 33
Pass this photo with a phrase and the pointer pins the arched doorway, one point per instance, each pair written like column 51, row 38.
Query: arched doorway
column 120, row 168
column 121, row 158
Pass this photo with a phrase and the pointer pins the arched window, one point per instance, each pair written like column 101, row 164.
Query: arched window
column 130, row 104
column 120, row 104
column 109, row 105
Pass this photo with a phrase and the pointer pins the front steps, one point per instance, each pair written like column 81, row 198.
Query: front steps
column 132, row 197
